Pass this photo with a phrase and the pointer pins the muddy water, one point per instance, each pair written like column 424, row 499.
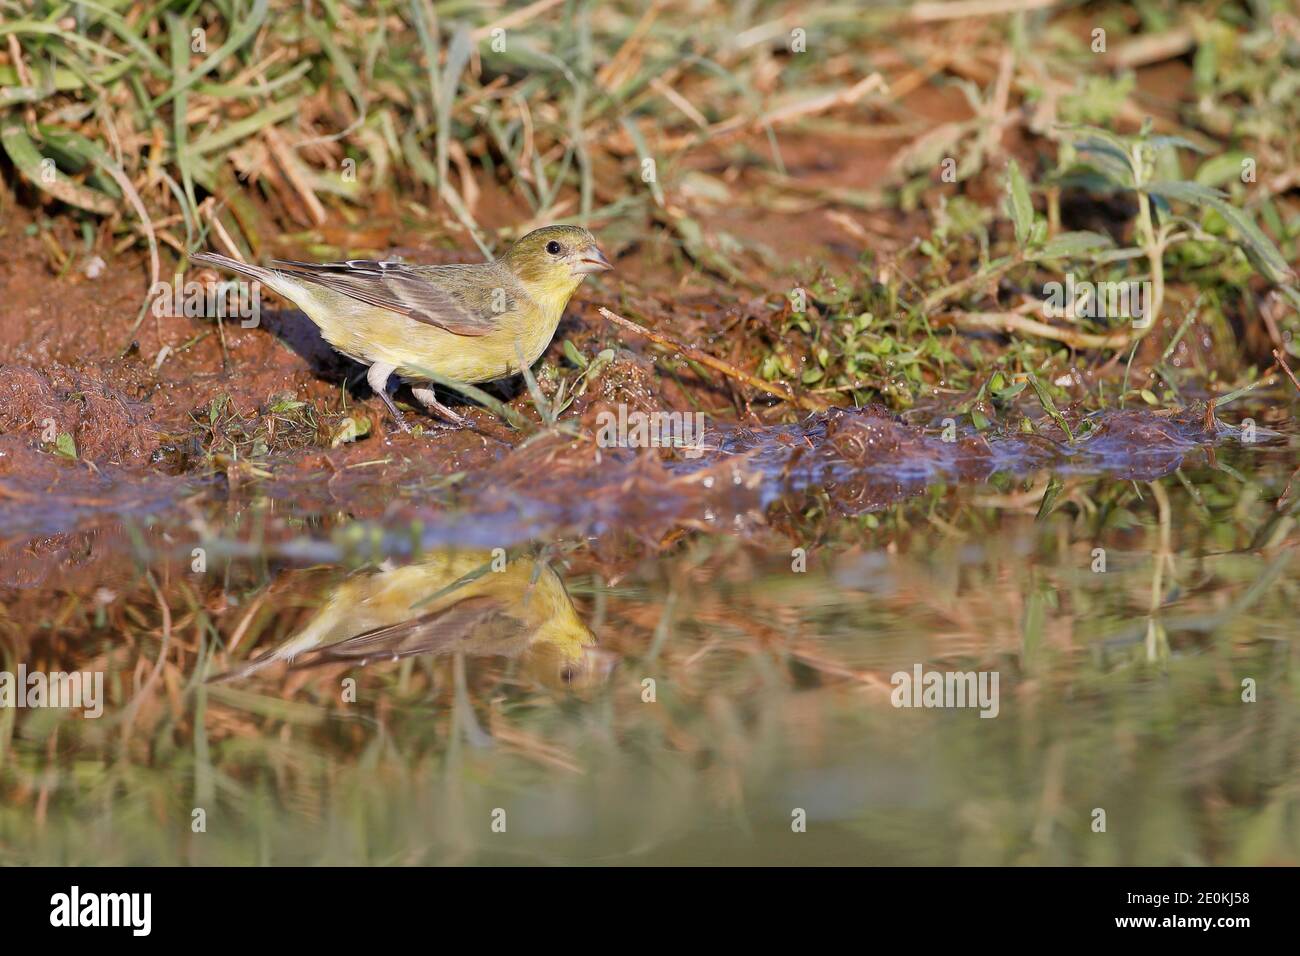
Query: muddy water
column 668, row 658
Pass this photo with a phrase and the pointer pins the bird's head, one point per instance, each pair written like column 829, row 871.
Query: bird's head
column 563, row 655
column 555, row 259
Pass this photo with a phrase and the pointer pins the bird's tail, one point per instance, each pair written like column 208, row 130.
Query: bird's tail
column 305, row 641
column 267, row 277
column 245, row 669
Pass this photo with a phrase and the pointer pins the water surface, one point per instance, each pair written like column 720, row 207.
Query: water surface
column 689, row 661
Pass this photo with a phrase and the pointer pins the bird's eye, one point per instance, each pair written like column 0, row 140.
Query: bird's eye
column 553, row 247
column 567, row 674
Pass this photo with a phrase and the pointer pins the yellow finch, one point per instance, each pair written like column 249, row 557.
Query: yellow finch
column 520, row 610
column 469, row 323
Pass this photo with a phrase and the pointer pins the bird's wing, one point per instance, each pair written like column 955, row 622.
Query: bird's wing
column 430, row 633
column 407, row 290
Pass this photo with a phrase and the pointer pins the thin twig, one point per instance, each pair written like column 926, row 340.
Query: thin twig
column 1014, row 322
column 1281, row 360
column 717, row 364
column 963, row 9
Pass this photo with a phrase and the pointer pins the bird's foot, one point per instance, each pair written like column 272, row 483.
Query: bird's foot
column 429, row 399
column 395, row 414
column 377, row 376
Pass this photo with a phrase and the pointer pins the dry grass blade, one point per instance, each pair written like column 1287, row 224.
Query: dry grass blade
column 726, row 368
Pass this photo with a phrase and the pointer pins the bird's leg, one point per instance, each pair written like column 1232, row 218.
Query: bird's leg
column 429, row 399
column 377, row 376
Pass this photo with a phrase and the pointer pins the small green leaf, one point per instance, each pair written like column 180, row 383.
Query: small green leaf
column 1193, row 193
column 1218, row 170
column 1005, row 395
column 65, row 446
column 1050, row 495
column 603, row 358
column 1049, row 406
column 1019, row 205
column 1105, row 152
column 573, row 355
column 1163, row 142
column 1259, row 249
column 1074, row 243
column 1095, row 136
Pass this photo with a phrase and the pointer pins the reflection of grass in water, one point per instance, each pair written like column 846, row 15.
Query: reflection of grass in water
column 772, row 694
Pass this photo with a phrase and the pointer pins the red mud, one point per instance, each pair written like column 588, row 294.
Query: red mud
column 152, row 446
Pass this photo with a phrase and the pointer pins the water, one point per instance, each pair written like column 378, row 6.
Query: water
column 681, row 662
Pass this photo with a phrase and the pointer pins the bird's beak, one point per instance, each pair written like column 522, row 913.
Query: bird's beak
column 600, row 662
column 593, row 261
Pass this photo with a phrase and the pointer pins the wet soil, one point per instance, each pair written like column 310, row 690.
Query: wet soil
column 162, row 412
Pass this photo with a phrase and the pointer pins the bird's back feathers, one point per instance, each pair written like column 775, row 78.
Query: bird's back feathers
column 443, row 296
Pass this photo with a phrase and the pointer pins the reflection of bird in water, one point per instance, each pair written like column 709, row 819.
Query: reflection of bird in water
column 450, row 602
